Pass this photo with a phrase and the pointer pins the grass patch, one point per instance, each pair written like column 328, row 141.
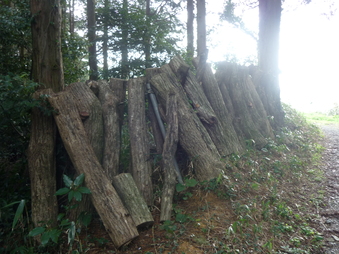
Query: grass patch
column 321, row 118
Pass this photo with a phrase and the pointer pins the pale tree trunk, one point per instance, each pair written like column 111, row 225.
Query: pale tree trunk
column 124, row 42
column 105, row 40
column 47, row 70
column 190, row 28
column 201, row 32
column 147, row 38
column 92, row 51
column 268, row 56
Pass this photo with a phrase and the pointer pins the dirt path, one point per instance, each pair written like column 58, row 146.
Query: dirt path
column 330, row 213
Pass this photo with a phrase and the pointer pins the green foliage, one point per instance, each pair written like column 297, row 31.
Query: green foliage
column 15, row 37
column 74, row 50
column 159, row 31
column 73, row 188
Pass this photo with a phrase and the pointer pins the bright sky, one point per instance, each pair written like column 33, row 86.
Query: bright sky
column 309, row 53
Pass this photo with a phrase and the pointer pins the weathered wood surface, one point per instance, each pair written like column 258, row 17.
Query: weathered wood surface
column 211, row 89
column 111, row 121
column 105, row 199
column 133, row 200
column 90, row 109
column 193, row 137
column 168, row 155
column 41, row 155
column 209, row 105
column 250, row 118
column 91, row 113
column 140, row 152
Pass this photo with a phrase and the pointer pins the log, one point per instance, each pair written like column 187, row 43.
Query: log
column 133, row 200
column 170, row 147
column 140, row 152
column 250, row 118
column 206, row 97
column 112, row 143
column 105, row 199
column 193, row 137
column 90, row 111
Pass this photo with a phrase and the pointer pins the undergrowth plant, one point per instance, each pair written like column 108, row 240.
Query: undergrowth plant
column 274, row 194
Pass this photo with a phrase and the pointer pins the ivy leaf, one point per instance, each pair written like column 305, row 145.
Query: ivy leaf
column 79, row 180
column 68, row 182
column 62, row 191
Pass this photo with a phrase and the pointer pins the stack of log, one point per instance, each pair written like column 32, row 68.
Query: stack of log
column 210, row 115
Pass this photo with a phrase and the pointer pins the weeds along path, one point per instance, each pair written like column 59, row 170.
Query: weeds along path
column 330, row 213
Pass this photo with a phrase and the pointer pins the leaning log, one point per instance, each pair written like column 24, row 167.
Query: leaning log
column 91, row 115
column 170, row 147
column 192, row 135
column 209, row 105
column 250, row 118
column 133, row 200
column 141, row 165
column 105, row 199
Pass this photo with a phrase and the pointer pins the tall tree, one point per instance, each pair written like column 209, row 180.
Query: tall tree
column 268, row 57
column 201, row 31
column 47, row 70
column 190, row 28
column 92, row 51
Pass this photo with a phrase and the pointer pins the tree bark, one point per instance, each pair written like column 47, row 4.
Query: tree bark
column 112, row 142
column 90, row 108
column 168, row 155
column 268, row 58
column 249, row 115
column 192, row 135
column 91, row 34
column 141, row 166
column 201, row 32
column 47, row 70
column 109, row 206
column 133, row 201
column 225, row 137
column 190, row 28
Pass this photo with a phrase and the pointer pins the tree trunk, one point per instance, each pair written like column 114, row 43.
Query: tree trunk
column 249, row 116
column 47, row 70
column 168, row 155
column 105, row 39
column 147, row 36
column 92, row 51
column 124, row 42
column 201, row 32
column 190, row 28
column 268, row 56
column 133, row 201
column 192, row 135
column 109, row 206
column 141, row 166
